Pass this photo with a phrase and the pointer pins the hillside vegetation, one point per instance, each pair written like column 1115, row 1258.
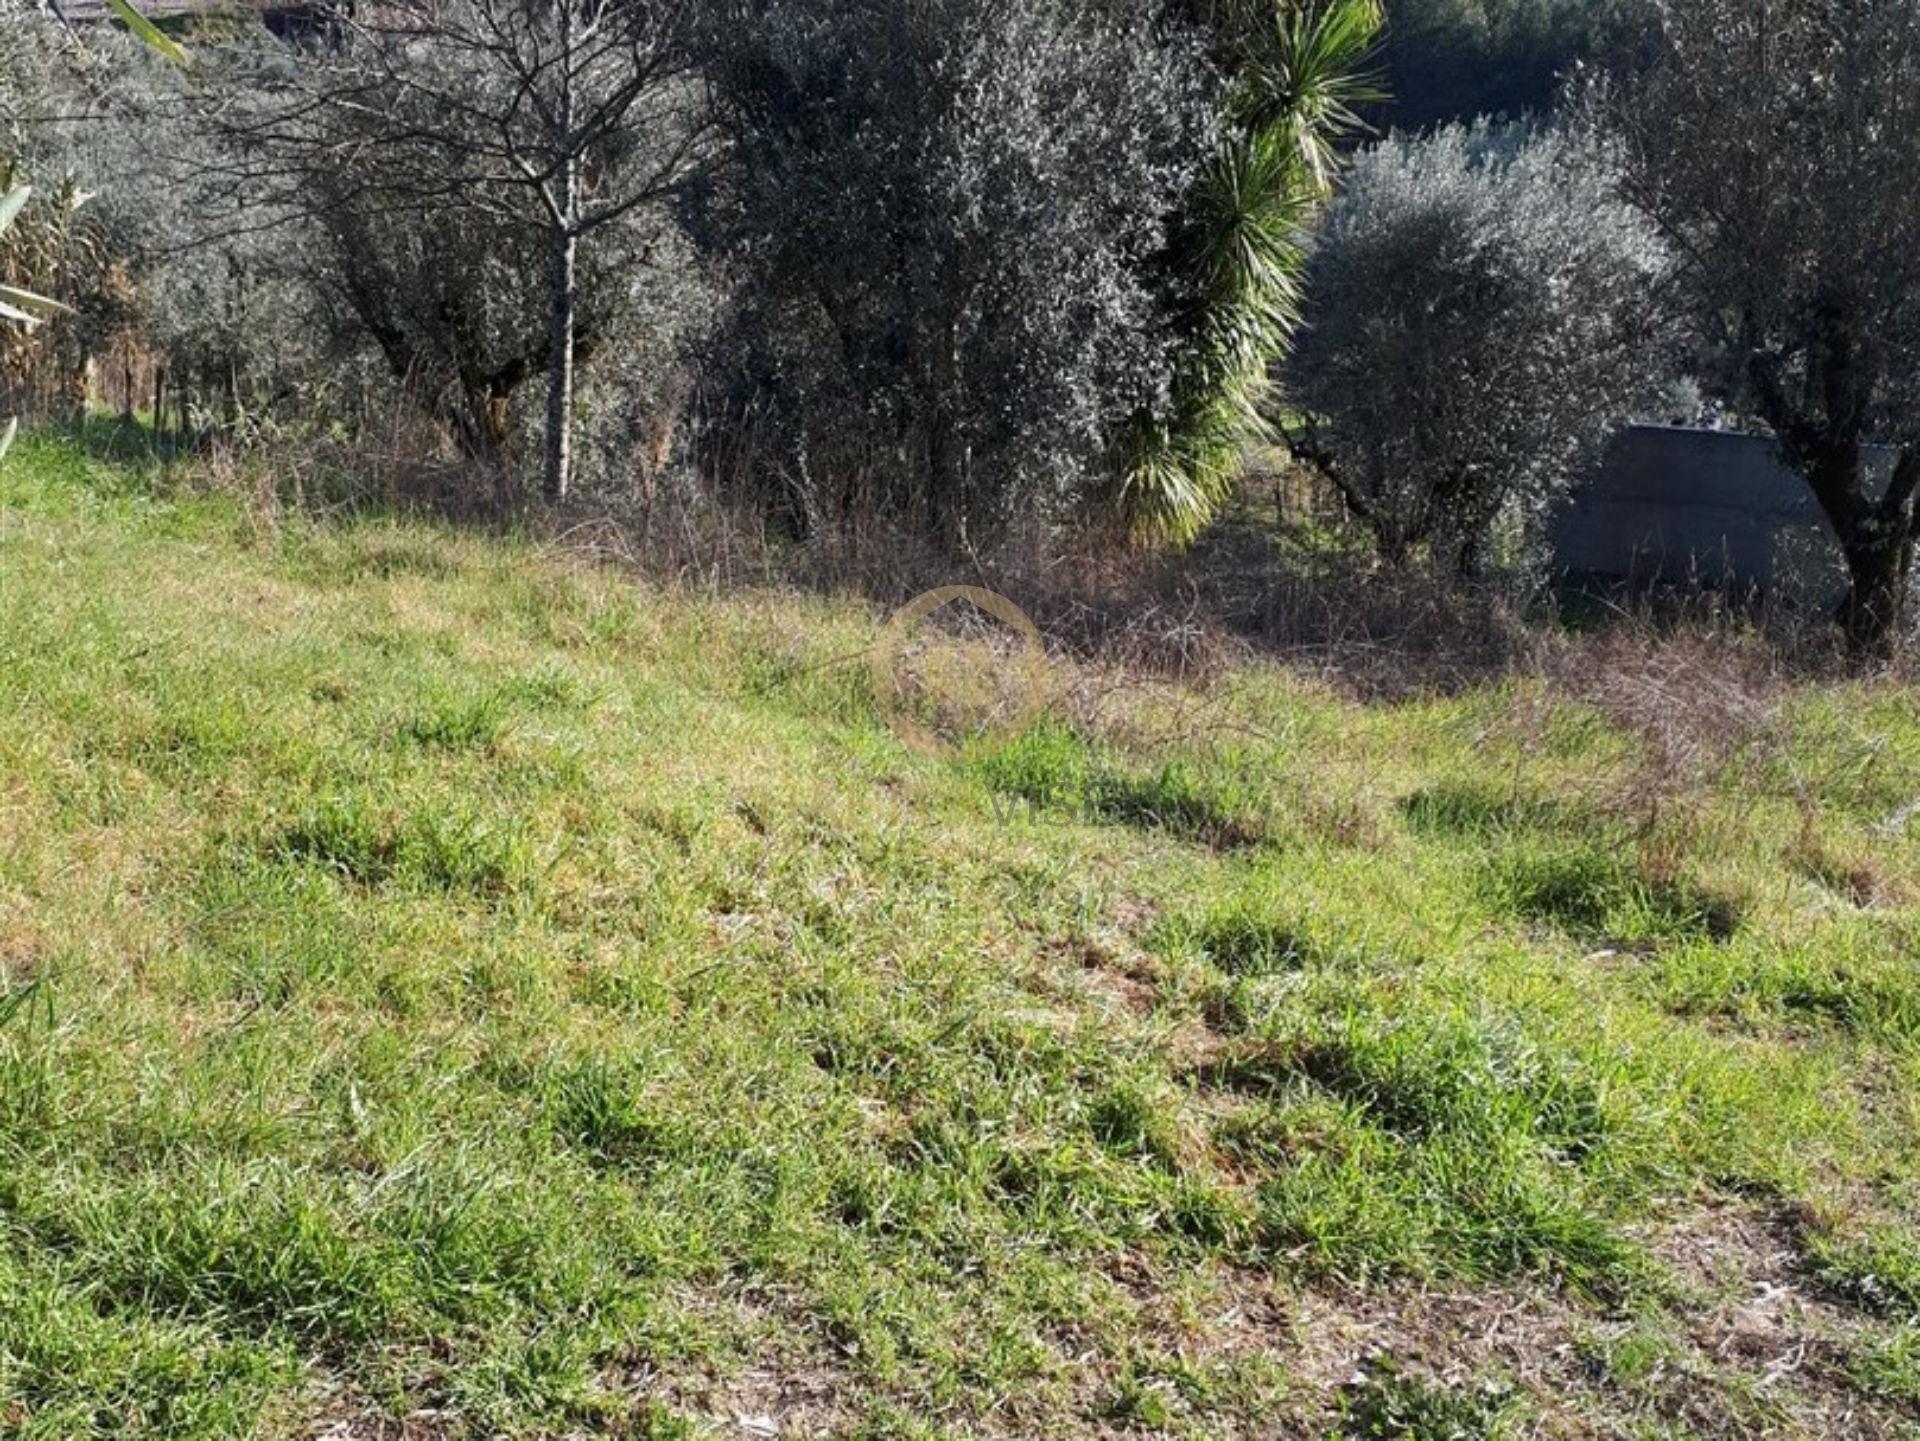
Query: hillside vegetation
column 448, row 989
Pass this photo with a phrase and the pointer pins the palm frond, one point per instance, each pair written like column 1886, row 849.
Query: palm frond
column 147, row 32
column 12, row 203
column 1302, row 83
column 1310, row 77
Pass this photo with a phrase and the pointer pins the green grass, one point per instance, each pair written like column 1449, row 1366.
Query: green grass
column 446, row 985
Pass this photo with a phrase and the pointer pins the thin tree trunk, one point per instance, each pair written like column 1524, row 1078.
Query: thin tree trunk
column 559, row 470
column 565, row 295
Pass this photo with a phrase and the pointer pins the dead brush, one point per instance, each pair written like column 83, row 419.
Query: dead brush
column 1146, row 645
column 246, row 474
column 1370, row 631
column 1702, row 710
column 1862, row 880
column 1695, row 704
column 962, row 678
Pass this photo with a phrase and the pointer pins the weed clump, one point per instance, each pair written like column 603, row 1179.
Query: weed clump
column 456, row 851
column 1597, row 892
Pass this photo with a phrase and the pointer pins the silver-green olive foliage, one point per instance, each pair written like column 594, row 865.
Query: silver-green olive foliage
column 1481, row 316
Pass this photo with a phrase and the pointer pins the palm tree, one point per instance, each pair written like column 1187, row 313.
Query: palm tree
column 1298, row 79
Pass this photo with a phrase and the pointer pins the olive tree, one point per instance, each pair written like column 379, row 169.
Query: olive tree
column 1775, row 142
column 943, row 215
column 1479, row 321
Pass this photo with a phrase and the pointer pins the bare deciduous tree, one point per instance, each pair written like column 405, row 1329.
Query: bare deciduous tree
column 564, row 118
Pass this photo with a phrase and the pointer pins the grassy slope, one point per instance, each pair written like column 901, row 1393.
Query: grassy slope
column 438, row 982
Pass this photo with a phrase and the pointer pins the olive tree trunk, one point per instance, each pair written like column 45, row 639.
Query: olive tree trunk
column 1879, row 547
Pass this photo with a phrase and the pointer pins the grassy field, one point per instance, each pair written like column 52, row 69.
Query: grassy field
column 448, row 989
